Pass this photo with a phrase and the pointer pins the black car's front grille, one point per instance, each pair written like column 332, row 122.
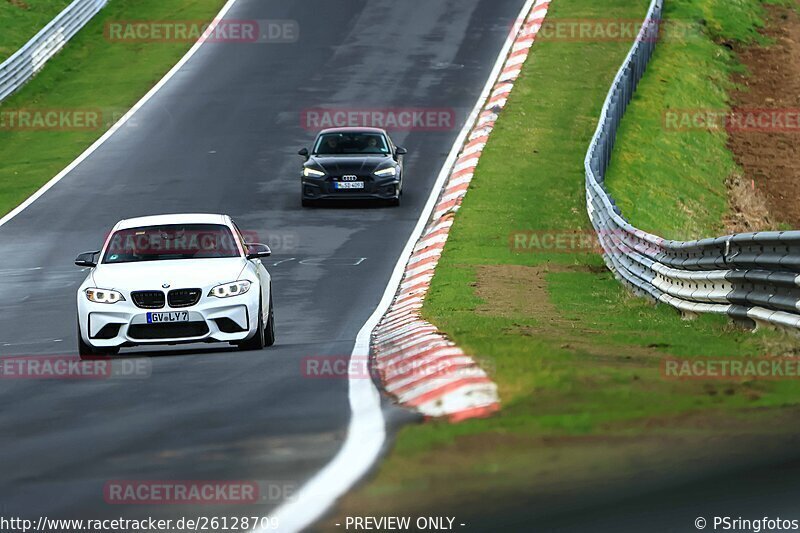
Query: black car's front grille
column 175, row 330
column 183, row 297
column 148, row 299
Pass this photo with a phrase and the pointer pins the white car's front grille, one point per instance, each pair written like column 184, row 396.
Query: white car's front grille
column 183, row 297
column 148, row 299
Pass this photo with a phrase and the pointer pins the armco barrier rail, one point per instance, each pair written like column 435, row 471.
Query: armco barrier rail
column 751, row 277
column 28, row 60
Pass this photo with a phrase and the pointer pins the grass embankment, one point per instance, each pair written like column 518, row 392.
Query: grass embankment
column 669, row 176
column 92, row 74
column 22, row 19
column 577, row 359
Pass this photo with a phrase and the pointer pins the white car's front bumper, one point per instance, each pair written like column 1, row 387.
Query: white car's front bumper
column 211, row 319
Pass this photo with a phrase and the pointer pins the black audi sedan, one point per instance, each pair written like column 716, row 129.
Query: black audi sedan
column 352, row 164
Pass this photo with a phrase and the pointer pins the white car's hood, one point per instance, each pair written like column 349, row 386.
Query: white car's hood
column 178, row 274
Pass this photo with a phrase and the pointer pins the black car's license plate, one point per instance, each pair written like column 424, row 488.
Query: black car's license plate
column 349, row 185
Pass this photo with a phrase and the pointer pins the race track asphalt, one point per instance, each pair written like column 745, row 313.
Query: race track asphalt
column 222, row 136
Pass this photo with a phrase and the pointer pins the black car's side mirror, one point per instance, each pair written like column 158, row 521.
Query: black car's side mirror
column 257, row 250
column 303, row 152
column 87, row 259
column 400, row 151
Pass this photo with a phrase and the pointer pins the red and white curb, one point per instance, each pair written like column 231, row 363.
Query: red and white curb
column 417, row 363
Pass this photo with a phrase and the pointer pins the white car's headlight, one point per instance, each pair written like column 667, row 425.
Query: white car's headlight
column 104, row 296
column 234, row 288
column 311, row 173
column 391, row 171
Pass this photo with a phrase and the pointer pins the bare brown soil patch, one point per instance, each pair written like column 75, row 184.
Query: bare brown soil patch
column 749, row 210
column 19, row 3
column 770, row 159
column 520, row 290
column 509, row 290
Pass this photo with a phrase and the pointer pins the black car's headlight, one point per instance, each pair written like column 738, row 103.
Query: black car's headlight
column 386, row 172
column 312, row 173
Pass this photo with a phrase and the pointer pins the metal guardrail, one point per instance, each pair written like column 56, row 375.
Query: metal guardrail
column 754, row 278
column 28, row 60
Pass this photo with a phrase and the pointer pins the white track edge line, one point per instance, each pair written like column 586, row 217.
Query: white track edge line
column 121, row 122
column 366, row 432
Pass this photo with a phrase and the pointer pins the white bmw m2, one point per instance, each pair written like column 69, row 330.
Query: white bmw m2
column 173, row 279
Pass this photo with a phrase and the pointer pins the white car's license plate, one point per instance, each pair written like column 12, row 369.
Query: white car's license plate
column 350, row 185
column 174, row 316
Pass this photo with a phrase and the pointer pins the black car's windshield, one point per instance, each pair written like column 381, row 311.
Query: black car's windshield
column 173, row 241
column 351, row 143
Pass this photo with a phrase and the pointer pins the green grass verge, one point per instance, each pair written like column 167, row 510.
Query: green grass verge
column 22, row 19
column 78, row 79
column 574, row 355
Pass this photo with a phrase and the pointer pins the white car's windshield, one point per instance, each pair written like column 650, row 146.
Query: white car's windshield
column 174, row 241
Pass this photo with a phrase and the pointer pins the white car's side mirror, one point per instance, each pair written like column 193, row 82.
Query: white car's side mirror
column 87, row 259
column 257, row 250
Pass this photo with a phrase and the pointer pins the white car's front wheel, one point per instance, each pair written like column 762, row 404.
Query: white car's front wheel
column 265, row 332
column 269, row 334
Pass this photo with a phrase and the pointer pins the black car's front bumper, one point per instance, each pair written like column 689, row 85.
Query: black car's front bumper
column 374, row 189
